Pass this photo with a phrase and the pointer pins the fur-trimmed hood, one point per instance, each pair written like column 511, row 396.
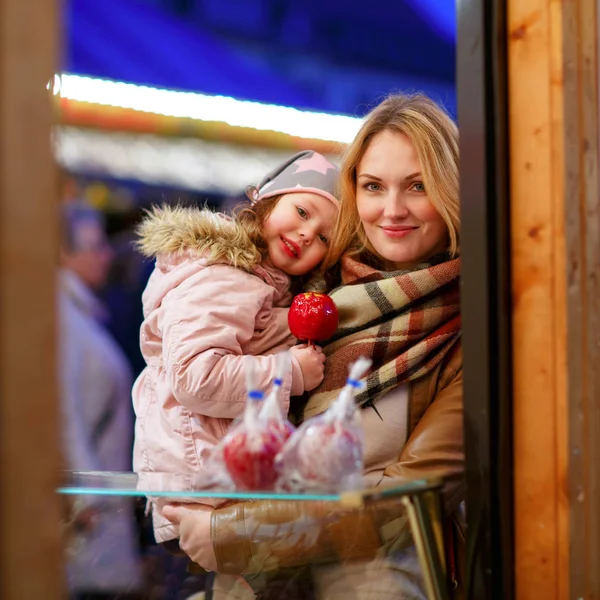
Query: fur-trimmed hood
column 181, row 230
column 185, row 241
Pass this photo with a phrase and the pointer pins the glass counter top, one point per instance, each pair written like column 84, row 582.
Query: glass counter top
column 110, row 483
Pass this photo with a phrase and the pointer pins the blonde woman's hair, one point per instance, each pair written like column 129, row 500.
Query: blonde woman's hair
column 434, row 136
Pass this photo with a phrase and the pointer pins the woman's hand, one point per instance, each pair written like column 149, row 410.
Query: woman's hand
column 194, row 532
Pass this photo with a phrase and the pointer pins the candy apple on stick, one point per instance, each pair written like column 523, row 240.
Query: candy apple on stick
column 313, row 317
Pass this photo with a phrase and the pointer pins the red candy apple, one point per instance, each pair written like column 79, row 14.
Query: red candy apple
column 250, row 457
column 328, row 453
column 313, row 317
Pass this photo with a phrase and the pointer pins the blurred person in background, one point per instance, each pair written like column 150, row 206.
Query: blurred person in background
column 127, row 279
column 95, row 384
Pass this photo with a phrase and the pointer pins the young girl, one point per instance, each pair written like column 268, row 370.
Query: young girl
column 219, row 293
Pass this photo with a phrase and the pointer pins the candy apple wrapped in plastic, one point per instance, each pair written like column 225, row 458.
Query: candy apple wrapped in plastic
column 327, row 452
column 270, row 412
column 250, row 448
column 313, row 317
column 214, row 476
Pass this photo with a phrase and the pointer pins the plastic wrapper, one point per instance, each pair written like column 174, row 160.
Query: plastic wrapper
column 213, row 475
column 250, row 448
column 327, row 452
column 270, row 411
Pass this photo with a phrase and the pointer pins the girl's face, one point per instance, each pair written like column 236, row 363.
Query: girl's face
column 298, row 230
column 399, row 221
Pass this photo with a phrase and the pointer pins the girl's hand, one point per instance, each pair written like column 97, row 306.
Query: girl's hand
column 312, row 363
column 194, row 532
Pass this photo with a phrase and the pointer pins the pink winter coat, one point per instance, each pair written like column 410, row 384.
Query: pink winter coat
column 209, row 303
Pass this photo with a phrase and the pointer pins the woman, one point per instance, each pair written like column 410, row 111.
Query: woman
column 397, row 244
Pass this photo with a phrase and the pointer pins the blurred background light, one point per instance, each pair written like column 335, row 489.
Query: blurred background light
column 190, row 105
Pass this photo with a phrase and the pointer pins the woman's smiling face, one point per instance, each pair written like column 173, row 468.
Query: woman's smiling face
column 399, row 220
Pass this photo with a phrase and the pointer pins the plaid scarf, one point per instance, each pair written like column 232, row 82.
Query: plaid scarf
column 404, row 321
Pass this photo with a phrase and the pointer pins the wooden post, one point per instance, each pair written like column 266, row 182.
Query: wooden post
column 555, row 237
column 31, row 554
column 582, row 236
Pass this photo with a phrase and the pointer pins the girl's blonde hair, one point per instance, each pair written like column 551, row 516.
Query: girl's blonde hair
column 252, row 215
column 434, row 136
